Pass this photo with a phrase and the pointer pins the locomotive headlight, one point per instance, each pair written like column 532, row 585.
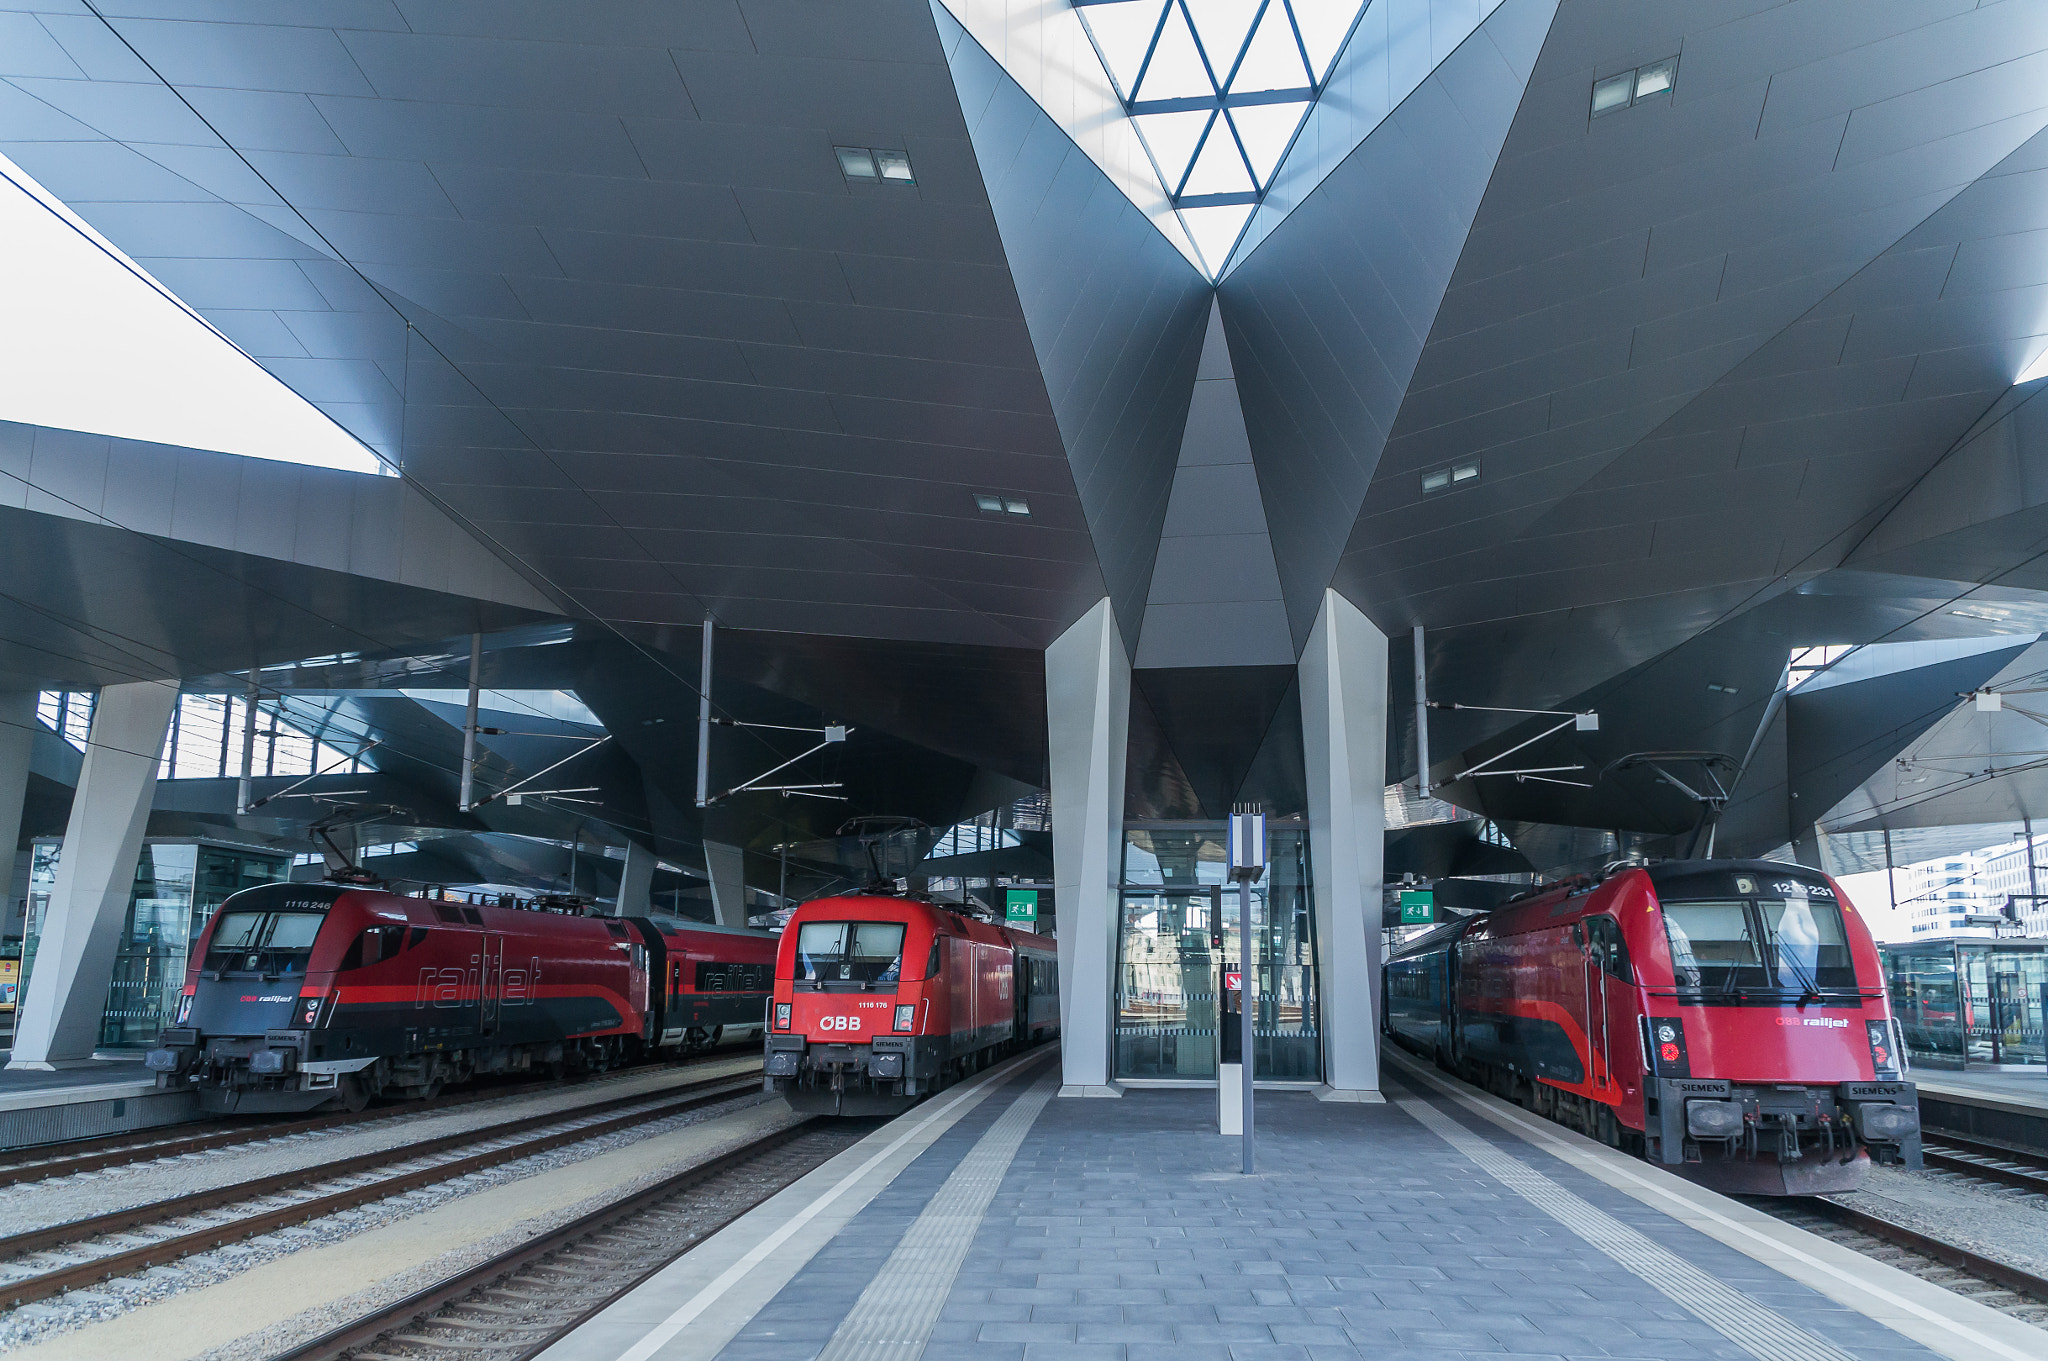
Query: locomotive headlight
column 184, row 1008
column 1663, row 1041
column 1884, row 1056
column 906, row 1015
column 782, row 1015
column 1881, row 1124
column 1713, row 1119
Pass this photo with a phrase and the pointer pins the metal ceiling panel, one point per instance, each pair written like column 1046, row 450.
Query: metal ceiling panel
column 1116, row 315
column 1327, row 317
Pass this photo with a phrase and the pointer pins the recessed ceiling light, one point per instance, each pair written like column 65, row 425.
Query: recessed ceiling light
column 1457, row 475
column 856, row 162
column 1017, row 506
column 984, row 501
column 1613, row 92
column 895, row 165
column 1617, row 92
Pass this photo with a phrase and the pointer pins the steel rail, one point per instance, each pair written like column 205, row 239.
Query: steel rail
column 40, row 1162
column 1949, row 1254
column 1937, row 1156
column 200, row 1240
column 357, row 1332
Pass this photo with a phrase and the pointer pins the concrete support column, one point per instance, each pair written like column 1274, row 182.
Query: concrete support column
column 1344, row 735
column 727, row 866
column 636, row 880
column 17, row 745
column 59, row 1023
column 1088, row 717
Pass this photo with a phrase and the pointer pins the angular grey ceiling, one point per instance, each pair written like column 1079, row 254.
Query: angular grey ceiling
column 1698, row 345
column 598, row 279
column 1115, row 315
column 1327, row 317
column 1215, row 597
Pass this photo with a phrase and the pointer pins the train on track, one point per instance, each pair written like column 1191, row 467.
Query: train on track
column 303, row 995
column 881, row 1000
column 1726, row 1019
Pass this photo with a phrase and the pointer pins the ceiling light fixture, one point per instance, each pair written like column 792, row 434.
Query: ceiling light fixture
column 1456, row 475
column 869, row 165
column 1614, row 93
column 989, row 503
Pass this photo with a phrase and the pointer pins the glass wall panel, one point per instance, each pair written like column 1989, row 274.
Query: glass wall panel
column 177, row 887
column 1173, row 952
column 150, row 961
column 1976, row 1001
column 1927, row 1003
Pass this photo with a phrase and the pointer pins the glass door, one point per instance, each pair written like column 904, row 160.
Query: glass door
column 1177, row 937
column 1168, row 975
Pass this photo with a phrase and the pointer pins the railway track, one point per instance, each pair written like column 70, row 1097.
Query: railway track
column 517, row 1304
column 42, row 1162
column 45, row 1262
column 1972, row 1275
column 1988, row 1162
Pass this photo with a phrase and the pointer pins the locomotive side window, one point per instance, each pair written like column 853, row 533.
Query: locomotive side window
column 376, row 944
column 1610, row 952
column 850, row 952
column 931, row 966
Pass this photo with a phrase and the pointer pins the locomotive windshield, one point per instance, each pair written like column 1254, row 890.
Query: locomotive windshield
column 849, row 952
column 271, row 943
column 1780, row 946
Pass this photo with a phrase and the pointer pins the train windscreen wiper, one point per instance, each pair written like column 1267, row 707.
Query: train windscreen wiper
column 1809, row 986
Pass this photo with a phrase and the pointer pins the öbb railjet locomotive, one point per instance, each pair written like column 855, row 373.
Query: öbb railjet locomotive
column 881, row 1000
column 1726, row 1019
column 301, row 995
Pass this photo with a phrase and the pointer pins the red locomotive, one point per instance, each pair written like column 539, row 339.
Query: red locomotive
column 298, row 995
column 880, row 1001
column 1727, row 1019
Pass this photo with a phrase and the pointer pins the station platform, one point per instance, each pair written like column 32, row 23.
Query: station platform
column 96, row 1097
column 2009, row 1105
column 999, row 1222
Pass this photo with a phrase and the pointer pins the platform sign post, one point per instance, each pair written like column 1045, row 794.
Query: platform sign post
column 1247, row 863
column 1020, row 907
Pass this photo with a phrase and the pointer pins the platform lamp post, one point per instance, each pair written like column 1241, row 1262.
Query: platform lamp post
column 1247, row 863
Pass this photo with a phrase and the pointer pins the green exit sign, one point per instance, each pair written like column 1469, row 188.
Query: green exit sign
column 1418, row 907
column 1020, row 904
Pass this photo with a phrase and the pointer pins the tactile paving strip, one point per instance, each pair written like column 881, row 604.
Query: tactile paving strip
column 894, row 1316
column 1763, row 1333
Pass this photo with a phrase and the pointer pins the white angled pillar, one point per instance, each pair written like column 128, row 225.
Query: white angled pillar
column 636, row 880
column 59, row 1022
column 17, row 746
column 1088, row 715
column 727, row 866
column 1344, row 736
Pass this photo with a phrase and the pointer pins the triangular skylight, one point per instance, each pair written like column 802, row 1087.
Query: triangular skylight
column 89, row 341
column 1218, row 89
